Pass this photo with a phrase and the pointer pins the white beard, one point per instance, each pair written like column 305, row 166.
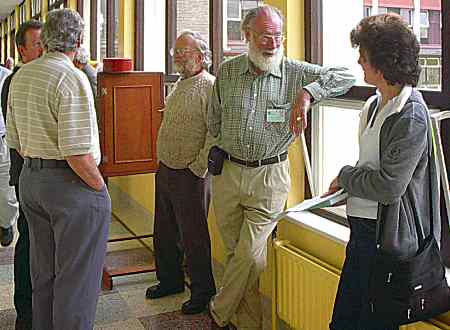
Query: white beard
column 265, row 63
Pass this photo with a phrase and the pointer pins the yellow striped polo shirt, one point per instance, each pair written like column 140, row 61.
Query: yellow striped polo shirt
column 51, row 111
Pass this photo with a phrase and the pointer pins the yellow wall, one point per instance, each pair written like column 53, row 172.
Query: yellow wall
column 126, row 28
column 4, row 28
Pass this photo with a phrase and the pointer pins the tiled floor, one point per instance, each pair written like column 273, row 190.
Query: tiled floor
column 122, row 308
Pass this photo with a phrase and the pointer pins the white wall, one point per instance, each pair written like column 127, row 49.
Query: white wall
column 154, row 36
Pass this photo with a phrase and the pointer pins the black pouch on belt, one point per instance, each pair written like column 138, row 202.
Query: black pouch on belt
column 216, row 157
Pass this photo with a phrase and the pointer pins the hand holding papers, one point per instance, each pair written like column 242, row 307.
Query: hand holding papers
column 316, row 203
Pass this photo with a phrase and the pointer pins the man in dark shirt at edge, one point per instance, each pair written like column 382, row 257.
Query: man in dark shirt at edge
column 29, row 45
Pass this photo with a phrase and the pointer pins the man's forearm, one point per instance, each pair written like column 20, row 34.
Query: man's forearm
column 86, row 168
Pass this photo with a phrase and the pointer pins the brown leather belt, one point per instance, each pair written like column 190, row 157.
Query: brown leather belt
column 258, row 163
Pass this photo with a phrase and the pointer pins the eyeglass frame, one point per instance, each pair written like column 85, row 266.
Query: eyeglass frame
column 265, row 38
column 182, row 51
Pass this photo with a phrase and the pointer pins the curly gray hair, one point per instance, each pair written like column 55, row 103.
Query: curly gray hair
column 202, row 46
column 247, row 22
column 81, row 55
column 63, row 30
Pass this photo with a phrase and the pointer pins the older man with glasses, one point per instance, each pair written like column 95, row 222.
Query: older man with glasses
column 257, row 108
column 182, row 184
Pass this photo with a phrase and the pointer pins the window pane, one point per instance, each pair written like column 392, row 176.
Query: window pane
column 194, row 16
column 102, row 30
column 330, row 153
column 423, row 16
column 234, row 12
column 116, row 28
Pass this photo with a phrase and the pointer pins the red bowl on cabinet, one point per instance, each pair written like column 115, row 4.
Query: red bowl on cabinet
column 115, row 64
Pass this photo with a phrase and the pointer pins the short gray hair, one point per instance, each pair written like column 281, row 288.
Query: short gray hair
column 81, row 55
column 249, row 18
column 62, row 30
column 202, row 46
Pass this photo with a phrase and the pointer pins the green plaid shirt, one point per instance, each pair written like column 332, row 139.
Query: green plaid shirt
column 241, row 99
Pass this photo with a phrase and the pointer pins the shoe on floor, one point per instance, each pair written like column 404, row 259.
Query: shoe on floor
column 6, row 235
column 158, row 291
column 214, row 325
column 193, row 307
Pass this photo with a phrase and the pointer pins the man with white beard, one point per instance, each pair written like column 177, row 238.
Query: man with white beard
column 182, row 185
column 258, row 107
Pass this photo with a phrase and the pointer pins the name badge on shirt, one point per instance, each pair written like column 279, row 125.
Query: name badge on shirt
column 276, row 115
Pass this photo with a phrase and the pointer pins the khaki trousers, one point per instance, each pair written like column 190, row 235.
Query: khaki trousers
column 246, row 201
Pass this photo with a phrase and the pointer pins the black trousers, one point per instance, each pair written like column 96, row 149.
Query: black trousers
column 22, row 280
column 351, row 306
column 181, row 213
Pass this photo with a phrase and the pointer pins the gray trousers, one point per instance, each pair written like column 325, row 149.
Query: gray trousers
column 68, row 224
column 9, row 207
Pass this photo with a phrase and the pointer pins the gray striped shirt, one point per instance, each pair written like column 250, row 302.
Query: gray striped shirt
column 51, row 112
column 241, row 102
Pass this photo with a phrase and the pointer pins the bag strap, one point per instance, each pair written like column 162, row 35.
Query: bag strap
column 420, row 233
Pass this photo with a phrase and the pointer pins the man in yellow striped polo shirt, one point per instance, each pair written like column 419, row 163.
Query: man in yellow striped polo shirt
column 51, row 121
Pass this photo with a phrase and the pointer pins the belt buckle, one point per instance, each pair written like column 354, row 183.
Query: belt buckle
column 259, row 163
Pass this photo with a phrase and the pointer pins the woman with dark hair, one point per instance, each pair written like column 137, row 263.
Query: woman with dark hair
column 392, row 176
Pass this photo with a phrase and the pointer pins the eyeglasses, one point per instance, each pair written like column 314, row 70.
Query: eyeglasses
column 181, row 51
column 266, row 38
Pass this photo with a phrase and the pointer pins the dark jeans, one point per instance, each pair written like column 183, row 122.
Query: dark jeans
column 351, row 306
column 181, row 214
column 22, row 280
column 68, row 225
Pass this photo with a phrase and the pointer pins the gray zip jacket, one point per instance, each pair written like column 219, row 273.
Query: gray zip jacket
column 402, row 184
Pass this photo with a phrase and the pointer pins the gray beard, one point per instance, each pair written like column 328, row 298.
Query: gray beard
column 186, row 69
column 265, row 63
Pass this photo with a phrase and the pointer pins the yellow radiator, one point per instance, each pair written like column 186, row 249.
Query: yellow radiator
column 304, row 287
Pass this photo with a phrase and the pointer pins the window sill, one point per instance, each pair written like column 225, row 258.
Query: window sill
column 328, row 228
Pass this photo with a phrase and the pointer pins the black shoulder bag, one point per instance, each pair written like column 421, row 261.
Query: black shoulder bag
column 413, row 289
column 216, row 158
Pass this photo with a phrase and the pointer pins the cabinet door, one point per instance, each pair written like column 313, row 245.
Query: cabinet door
column 129, row 107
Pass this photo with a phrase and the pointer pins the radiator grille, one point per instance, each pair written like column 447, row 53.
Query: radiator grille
column 305, row 288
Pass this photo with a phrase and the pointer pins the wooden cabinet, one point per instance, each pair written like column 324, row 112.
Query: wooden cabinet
column 129, row 108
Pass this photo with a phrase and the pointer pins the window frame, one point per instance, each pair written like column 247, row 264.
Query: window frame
column 139, row 18
column 56, row 4
column 36, row 9
column 22, row 13
column 435, row 99
column 5, row 43
column 110, row 29
column 12, row 35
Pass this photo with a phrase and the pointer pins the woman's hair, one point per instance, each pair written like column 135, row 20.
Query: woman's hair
column 390, row 46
